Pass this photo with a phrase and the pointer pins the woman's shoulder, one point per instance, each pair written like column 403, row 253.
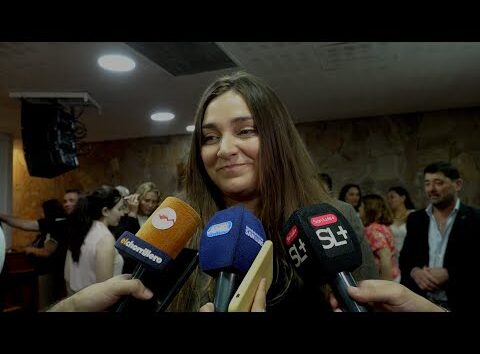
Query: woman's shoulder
column 105, row 241
column 342, row 206
column 375, row 226
column 99, row 231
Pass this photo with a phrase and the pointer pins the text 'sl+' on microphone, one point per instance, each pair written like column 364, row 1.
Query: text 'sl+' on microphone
column 229, row 244
column 160, row 239
column 325, row 249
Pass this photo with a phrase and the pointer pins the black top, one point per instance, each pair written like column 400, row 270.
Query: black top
column 57, row 228
column 126, row 223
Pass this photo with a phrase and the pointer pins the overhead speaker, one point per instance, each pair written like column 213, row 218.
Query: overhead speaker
column 48, row 134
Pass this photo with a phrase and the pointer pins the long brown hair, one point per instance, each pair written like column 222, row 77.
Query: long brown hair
column 286, row 171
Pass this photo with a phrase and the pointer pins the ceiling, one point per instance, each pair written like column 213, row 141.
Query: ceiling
column 317, row 81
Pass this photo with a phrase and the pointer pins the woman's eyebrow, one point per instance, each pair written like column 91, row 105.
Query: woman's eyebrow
column 233, row 121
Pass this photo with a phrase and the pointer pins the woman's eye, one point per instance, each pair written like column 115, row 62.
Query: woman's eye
column 210, row 139
column 247, row 132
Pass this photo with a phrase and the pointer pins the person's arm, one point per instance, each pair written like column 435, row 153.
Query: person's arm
column 100, row 296
column 368, row 269
column 132, row 203
column 22, row 224
column 385, row 264
column 104, row 259
column 383, row 295
column 377, row 239
column 49, row 247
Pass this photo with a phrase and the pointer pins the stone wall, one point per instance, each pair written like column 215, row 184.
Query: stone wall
column 380, row 152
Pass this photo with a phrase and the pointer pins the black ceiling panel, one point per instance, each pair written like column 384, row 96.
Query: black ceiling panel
column 185, row 58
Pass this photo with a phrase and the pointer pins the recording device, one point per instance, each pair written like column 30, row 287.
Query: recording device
column 262, row 267
column 156, row 246
column 229, row 245
column 323, row 247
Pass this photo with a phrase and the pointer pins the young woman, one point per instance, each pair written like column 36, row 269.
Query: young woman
column 376, row 217
column 246, row 150
column 351, row 194
column 401, row 206
column 91, row 255
column 141, row 205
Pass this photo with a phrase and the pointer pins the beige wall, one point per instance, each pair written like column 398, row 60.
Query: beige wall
column 375, row 152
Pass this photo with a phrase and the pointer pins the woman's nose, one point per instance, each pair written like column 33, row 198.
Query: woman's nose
column 227, row 147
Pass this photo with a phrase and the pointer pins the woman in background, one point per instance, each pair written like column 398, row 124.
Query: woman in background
column 376, row 217
column 351, row 194
column 140, row 206
column 401, row 206
column 91, row 256
column 146, row 198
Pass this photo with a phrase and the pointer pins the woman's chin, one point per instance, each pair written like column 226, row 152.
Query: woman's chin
column 239, row 193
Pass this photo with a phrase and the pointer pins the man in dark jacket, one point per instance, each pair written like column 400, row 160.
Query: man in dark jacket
column 437, row 259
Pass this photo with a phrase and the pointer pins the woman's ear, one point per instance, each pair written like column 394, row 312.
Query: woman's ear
column 105, row 211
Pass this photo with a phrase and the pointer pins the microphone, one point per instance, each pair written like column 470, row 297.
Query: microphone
column 159, row 241
column 229, row 244
column 323, row 247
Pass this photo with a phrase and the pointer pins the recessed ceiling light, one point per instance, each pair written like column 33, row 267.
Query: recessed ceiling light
column 162, row 116
column 190, row 128
column 116, row 62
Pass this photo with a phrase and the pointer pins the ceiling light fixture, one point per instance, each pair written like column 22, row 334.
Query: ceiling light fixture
column 162, row 116
column 116, row 62
column 190, row 128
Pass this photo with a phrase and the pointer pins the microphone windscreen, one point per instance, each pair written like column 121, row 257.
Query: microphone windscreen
column 230, row 241
column 163, row 236
column 321, row 242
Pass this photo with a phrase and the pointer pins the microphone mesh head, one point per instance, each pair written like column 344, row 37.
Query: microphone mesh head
column 170, row 226
column 321, row 242
column 230, row 241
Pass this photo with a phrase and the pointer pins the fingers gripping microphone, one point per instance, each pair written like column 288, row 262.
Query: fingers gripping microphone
column 229, row 244
column 160, row 239
column 323, row 247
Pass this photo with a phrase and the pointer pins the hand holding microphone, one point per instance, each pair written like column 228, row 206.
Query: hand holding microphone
column 323, row 247
column 387, row 295
column 100, row 296
column 160, row 240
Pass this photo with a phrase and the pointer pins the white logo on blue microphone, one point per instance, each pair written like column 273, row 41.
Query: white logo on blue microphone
column 219, row 229
column 253, row 235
